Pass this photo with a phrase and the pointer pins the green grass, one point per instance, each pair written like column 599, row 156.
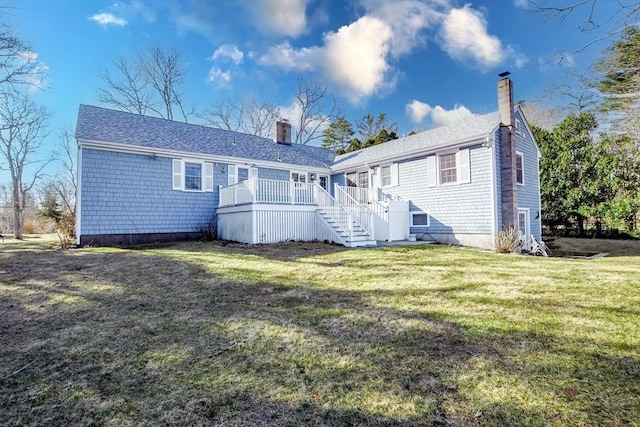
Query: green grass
column 312, row 334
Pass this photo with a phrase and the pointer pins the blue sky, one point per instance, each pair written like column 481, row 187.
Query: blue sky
column 422, row 62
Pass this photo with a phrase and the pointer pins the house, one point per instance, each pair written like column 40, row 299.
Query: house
column 144, row 179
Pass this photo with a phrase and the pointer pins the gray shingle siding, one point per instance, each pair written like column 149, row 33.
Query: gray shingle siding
column 529, row 193
column 276, row 174
column 123, row 192
column 116, row 195
column 457, row 208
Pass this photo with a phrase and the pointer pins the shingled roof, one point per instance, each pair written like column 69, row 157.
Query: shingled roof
column 98, row 124
column 466, row 130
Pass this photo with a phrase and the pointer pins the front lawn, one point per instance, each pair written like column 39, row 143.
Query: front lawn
column 312, row 334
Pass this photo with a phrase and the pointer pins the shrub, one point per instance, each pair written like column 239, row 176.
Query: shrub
column 66, row 230
column 209, row 230
column 29, row 227
column 508, row 241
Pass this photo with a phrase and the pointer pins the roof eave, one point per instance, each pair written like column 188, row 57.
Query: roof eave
column 417, row 152
column 164, row 152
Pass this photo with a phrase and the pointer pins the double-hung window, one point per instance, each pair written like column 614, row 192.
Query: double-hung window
column 449, row 168
column 385, row 176
column 193, row 176
column 448, row 171
column 519, row 169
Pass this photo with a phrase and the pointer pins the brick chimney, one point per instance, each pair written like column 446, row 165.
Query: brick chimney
column 283, row 132
column 507, row 152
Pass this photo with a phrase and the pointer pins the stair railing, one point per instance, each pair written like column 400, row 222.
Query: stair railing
column 339, row 213
column 361, row 213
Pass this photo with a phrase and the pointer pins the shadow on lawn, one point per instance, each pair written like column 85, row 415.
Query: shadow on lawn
column 138, row 337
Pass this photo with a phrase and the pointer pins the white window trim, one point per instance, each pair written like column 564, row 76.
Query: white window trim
column 439, row 166
column 184, row 175
column 300, row 173
column 519, row 153
column 393, row 175
column 233, row 175
column 463, row 168
column 205, row 186
column 411, row 215
column 517, row 126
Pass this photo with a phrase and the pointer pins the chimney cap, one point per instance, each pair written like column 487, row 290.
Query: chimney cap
column 504, row 74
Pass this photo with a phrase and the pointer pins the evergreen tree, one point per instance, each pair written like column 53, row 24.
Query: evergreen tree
column 337, row 135
column 50, row 208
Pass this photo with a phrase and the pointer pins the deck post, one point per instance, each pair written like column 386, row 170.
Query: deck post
column 292, row 193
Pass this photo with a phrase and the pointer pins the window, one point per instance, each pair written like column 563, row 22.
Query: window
column 298, row 177
column 363, row 179
column 516, row 126
column 324, row 182
column 519, row 169
column 449, row 168
column 243, row 174
column 351, row 179
column 385, row 176
column 448, row 171
column 419, row 219
column 193, row 176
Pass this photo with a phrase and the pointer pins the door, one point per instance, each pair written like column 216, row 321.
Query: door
column 524, row 229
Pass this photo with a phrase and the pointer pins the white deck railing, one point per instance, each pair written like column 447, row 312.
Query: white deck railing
column 256, row 190
column 360, row 212
column 361, row 195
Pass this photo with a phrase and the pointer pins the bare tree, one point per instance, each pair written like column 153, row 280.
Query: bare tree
column 148, row 83
column 65, row 184
column 260, row 118
column 252, row 117
column 127, row 91
column 615, row 17
column 22, row 132
column 18, row 64
column 224, row 114
column 314, row 111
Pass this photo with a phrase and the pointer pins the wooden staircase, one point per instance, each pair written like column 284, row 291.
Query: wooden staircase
column 350, row 233
column 345, row 226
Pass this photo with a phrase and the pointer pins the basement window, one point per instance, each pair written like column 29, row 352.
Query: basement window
column 419, row 220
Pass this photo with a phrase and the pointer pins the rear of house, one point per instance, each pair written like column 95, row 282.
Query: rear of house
column 145, row 179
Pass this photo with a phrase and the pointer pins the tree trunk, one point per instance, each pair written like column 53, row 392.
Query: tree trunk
column 17, row 215
column 580, row 221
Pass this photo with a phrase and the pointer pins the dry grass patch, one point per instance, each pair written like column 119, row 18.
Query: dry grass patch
column 311, row 334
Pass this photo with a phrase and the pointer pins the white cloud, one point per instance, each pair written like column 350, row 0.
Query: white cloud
column 35, row 79
column 356, row 57
column 285, row 56
column 466, row 39
column 106, row 19
column 407, row 19
column 521, row 3
column 439, row 116
column 417, row 110
column 228, row 51
column 284, row 18
column 219, row 77
column 359, row 57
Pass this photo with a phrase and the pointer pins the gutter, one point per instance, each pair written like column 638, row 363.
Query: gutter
column 136, row 149
column 478, row 139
